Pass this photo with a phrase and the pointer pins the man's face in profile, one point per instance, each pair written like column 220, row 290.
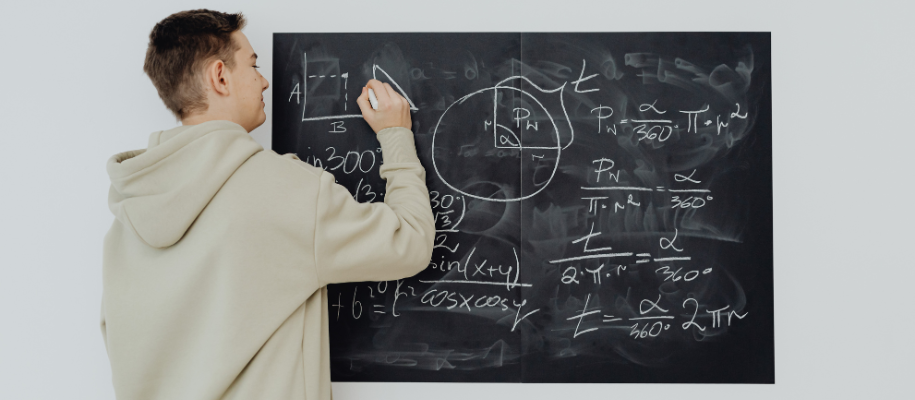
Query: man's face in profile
column 248, row 85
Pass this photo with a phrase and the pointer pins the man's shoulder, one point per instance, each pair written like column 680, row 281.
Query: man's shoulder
column 288, row 163
column 271, row 178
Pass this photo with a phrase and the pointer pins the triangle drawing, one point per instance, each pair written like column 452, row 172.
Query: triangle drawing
column 375, row 67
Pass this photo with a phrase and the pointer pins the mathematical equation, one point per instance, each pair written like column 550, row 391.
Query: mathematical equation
column 629, row 234
column 605, row 195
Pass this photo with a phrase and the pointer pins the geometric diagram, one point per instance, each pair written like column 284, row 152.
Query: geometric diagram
column 494, row 142
column 326, row 89
column 403, row 93
column 493, row 127
column 330, row 69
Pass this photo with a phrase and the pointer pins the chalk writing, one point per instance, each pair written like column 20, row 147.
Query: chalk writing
column 592, row 196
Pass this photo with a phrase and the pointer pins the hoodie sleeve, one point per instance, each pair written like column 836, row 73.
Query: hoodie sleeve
column 357, row 242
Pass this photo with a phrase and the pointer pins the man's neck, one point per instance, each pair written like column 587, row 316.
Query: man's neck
column 197, row 119
column 209, row 115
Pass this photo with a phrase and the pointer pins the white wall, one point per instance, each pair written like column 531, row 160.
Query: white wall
column 74, row 93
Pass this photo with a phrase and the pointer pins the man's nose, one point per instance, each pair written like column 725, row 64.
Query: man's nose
column 266, row 84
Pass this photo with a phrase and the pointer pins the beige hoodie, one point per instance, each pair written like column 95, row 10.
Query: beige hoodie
column 214, row 271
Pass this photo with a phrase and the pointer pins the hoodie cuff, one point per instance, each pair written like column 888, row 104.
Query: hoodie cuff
column 397, row 145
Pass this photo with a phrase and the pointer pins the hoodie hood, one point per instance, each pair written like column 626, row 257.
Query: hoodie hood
column 159, row 192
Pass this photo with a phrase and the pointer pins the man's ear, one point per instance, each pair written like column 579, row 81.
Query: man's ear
column 217, row 77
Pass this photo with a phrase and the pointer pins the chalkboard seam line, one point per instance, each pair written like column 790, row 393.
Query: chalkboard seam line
column 591, row 256
column 482, row 283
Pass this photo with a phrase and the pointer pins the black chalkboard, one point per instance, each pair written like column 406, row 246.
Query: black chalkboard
column 604, row 202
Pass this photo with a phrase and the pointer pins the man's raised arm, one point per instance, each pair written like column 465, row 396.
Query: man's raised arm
column 378, row 241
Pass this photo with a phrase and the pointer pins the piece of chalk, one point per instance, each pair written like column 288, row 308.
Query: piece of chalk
column 373, row 99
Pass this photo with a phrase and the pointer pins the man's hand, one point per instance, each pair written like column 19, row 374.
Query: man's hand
column 393, row 110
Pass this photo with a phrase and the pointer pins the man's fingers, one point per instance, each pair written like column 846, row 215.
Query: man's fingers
column 406, row 103
column 363, row 101
column 391, row 92
column 393, row 108
column 381, row 93
column 406, row 107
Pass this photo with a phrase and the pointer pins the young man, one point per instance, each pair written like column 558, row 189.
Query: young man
column 216, row 265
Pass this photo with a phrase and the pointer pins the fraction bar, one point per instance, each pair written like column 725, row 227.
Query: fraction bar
column 617, row 188
column 689, row 190
column 591, row 256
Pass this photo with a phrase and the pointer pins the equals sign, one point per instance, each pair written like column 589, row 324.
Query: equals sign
column 643, row 255
column 377, row 306
column 609, row 318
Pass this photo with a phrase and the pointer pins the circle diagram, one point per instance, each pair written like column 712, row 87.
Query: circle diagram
column 500, row 134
